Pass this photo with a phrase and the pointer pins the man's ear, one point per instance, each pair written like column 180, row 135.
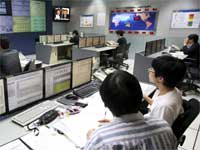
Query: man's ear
column 161, row 79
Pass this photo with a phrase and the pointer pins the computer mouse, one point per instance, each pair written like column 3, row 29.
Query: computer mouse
column 71, row 97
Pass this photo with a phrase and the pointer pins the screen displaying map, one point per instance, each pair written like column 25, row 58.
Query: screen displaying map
column 145, row 21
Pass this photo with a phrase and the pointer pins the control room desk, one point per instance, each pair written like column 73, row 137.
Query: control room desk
column 86, row 119
column 177, row 54
column 98, row 52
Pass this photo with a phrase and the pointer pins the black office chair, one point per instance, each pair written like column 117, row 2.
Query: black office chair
column 192, row 76
column 191, row 110
column 119, row 55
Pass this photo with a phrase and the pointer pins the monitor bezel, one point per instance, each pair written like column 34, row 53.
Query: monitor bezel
column 61, row 7
column 3, row 79
column 90, row 73
column 60, row 93
column 21, row 108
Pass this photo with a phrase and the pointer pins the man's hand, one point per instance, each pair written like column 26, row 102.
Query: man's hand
column 185, row 42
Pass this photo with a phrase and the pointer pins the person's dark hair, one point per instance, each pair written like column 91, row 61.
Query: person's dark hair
column 193, row 37
column 121, row 93
column 4, row 43
column 170, row 68
column 75, row 32
column 120, row 32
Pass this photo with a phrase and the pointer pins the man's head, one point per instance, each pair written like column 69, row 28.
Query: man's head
column 121, row 93
column 75, row 32
column 193, row 38
column 120, row 32
column 167, row 70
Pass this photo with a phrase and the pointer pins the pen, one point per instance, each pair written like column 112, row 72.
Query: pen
column 61, row 133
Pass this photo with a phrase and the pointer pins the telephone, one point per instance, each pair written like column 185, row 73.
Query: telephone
column 111, row 43
column 175, row 47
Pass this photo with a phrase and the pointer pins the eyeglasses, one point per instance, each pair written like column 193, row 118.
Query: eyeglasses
column 151, row 70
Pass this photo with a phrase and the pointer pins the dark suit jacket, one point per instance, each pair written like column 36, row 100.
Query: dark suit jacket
column 193, row 51
column 75, row 40
column 122, row 41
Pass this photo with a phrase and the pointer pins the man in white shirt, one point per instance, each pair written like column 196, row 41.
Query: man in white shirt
column 166, row 73
column 129, row 130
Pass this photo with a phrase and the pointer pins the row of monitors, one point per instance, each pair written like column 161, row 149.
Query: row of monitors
column 154, row 46
column 26, row 88
column 91, row 41
column 54, row 38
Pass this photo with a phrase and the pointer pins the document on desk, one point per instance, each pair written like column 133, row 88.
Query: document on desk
column 48, row 139
column 14, row 145
column 147, row 89
column 72, row 131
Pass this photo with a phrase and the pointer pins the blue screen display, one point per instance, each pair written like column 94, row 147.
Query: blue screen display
column 135, row 21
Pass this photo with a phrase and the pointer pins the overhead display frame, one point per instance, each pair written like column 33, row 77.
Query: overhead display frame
column 185, row 19
column 134, row 20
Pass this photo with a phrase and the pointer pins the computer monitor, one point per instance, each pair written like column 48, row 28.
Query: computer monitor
column 158, row 45
column 162, row 44
column 9, row 62
column 24, row 89
column 50, row 38
column 57, row 79
column 82, row 42
column 2, row 98
column 63, row 37
column 81, row 72
column 154, row 47
column 89, row 41
column 148, row 48
column 57, row 38
column 95, row 41
column 102, row 40
column 43, row 39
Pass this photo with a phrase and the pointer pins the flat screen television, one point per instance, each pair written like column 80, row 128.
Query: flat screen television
column 61, row 13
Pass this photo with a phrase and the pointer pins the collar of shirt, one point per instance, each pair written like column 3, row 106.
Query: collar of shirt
column 129, row 117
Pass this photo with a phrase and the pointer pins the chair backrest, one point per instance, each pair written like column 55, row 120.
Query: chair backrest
column 191, row 110
column 127, row 50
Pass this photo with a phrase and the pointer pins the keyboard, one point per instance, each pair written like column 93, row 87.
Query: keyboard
column 33, row 113
column 59, row 42
column 100, row 46
column 86, row 90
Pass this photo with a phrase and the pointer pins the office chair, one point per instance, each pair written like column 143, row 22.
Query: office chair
column 191, row 110
column 119, row 55
column 192, row 75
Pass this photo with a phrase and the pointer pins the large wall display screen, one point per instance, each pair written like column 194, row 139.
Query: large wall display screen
column 22, row 16
column 133, row 21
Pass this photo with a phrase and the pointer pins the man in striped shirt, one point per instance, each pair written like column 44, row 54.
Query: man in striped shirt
column 129, row 130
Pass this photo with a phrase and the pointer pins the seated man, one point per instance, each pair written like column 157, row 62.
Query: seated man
column 166, row 73
column 121, row 93
column 192, row 48
column 75, row 38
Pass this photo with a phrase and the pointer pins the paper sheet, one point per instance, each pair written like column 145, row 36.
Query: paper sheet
column 15, row 145
column 48, row 139
column 101, row 19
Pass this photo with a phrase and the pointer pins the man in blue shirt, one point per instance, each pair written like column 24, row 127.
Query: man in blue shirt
column 121, row 93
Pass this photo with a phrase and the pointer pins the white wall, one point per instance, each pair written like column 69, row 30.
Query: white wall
column 83, row 7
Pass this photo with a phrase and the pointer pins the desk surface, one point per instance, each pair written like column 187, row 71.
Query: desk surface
column 88, row 117
column 66, row 43
column 106, row 48
column 177, row 54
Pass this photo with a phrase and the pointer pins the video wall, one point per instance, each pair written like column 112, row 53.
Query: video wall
column 22, row 16
column 133, row 21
